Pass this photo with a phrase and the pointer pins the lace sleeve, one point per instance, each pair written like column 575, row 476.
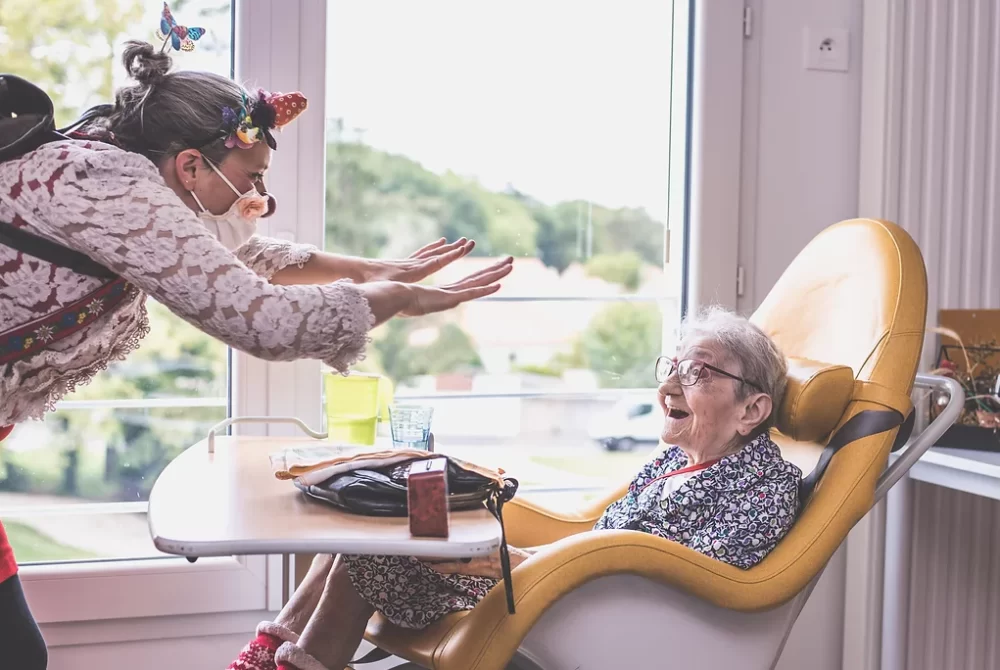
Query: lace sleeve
column 114, row 206
column 266, row 255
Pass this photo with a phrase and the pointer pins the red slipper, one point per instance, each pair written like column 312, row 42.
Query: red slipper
column 259, row 652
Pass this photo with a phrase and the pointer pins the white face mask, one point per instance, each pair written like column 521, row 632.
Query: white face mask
column 239, row 223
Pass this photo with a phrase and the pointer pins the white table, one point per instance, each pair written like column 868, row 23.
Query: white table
column 230, row 503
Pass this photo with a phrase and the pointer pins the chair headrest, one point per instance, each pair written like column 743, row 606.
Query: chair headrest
column 815, row 399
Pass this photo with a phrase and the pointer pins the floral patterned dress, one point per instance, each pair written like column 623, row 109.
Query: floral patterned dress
column 735, row 511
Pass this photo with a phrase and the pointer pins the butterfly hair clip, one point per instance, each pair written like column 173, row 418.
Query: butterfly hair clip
column 181, row 38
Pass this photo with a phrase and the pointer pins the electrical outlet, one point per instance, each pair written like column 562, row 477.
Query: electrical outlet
column 826, row 49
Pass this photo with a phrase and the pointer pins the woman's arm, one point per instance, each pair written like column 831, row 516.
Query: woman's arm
column 323, row 267
column 268, row 255
column 114, row 207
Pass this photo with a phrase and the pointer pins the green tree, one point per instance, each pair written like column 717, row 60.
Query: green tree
column 612, row 230
column 557, row 241
column 467, row 217
column 621, row 343
column 36, row 36
column 624, row 267
column 451, row 351
column 382, row 204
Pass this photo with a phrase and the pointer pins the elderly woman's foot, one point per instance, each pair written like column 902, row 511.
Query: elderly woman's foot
column 258, row 654
column 293, row 657
column 336, row 627
column 295, row 615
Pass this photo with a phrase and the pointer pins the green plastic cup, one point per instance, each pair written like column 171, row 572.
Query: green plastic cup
column 352, row 407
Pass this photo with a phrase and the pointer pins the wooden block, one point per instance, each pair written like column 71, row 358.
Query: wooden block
column 427, row 497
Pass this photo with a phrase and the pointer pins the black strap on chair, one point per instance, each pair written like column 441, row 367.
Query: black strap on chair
column 495, row 506
column 863, row 424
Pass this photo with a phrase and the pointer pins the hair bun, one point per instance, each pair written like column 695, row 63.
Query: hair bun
column 145, row 63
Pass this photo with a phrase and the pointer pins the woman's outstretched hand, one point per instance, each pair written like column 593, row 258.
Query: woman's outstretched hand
column 389, row 298
column 430, row 299
column 419, row 265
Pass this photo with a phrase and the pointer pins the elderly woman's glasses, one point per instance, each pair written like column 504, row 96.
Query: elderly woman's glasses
column 690, row 371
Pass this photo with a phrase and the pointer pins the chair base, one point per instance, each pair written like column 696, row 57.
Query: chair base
column 665, row 627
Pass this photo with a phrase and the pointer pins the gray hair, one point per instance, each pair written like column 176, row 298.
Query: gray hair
column 750, row 348
column 166, row 112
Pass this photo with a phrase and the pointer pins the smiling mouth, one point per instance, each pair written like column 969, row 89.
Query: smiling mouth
column 675, row 413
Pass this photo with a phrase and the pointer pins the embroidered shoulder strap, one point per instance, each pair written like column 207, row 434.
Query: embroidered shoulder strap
column 28, row 339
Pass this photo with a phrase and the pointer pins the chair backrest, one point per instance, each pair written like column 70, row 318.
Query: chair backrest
column 856, row 296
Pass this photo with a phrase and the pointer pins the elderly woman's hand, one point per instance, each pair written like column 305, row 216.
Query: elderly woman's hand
column 483, row 566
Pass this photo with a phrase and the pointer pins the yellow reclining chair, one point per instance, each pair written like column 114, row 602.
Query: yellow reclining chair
column 849, row 313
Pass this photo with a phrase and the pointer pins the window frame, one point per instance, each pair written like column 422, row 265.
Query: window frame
column 60, row 593
column 277, row 44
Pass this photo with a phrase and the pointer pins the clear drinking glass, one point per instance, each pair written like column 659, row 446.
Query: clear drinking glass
column 411, row 426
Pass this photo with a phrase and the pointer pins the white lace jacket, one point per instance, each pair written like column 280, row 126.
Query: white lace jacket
column 114, row 206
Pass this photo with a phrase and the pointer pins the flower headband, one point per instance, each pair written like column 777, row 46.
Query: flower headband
column 254, row 121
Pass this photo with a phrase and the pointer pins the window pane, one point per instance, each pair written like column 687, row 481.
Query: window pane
column 542, row 131
column 574, row 442
column 126, row 425
column 528, row 345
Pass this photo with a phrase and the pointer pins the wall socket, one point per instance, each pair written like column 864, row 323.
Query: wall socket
column 826, row 49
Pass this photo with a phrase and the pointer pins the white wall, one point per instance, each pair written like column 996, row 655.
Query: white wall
column 800, row 136
column 799, row 175
column 209, row 641
column 214, row 651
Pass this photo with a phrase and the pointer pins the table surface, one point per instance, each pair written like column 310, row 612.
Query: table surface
column 230, row 503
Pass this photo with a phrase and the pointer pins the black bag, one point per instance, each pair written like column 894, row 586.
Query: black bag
column 27, row 121
column 383, row 492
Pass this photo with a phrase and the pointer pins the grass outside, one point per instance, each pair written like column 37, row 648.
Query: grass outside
column 31, row 545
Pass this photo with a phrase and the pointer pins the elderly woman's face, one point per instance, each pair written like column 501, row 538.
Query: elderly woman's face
column 706, row 420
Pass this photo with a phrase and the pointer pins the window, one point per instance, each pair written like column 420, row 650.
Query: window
column 565, row 144
column 557, row 136
column 640, row 410
column 75, row 486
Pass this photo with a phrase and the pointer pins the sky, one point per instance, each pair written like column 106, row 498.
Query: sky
column 560, row 99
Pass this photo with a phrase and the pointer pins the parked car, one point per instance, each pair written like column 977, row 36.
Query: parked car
column 626, row 425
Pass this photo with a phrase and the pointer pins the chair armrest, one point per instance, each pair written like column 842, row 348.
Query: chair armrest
column 529, row 524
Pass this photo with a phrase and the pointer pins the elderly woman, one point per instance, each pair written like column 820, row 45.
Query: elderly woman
column 718, row 395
